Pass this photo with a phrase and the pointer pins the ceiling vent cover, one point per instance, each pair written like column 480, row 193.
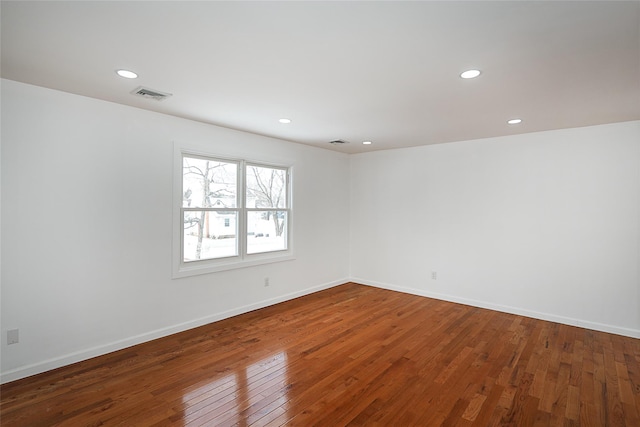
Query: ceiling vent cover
column 338, row 142
column 150, row 93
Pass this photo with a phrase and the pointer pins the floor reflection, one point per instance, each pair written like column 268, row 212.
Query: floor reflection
column 255, row 393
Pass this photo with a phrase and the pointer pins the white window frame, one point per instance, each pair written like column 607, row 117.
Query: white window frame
column 243, row 259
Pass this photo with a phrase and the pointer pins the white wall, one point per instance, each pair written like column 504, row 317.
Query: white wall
column 542, row 224
column 86, row 228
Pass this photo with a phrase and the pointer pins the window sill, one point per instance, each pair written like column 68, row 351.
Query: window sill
column 204, row 267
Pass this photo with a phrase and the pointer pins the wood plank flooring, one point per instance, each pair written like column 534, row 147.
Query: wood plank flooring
column 351, row 355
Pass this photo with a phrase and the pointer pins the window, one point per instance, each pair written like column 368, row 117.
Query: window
column 266, row 199
column 209, row 200
column 232, row 213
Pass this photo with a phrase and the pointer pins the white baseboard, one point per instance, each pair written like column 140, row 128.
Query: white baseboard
column 68, row 359
column 46, row 365
column 618, row 330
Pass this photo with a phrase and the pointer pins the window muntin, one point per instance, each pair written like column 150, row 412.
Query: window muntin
column 224, row 199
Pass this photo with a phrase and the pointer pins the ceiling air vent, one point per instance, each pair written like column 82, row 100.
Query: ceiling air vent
column 150, row 94
column 338, row 142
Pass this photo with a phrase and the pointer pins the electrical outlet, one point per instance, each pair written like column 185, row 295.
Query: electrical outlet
column 266, row 281
column 13, row 336
column 434, row 275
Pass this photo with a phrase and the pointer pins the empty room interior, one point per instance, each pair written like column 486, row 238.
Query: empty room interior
column 320, row 213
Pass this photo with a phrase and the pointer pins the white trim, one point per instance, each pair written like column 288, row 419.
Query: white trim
column 78, row 356
column 612, row 329
column 224, row 264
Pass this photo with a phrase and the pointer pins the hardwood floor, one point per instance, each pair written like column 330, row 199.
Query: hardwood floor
column 350, row 355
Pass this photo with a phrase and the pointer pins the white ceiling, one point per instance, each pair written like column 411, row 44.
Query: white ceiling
column 381, row 71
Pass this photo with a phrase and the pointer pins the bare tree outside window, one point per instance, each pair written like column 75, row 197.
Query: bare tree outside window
column 208, row 188
column 266, row 187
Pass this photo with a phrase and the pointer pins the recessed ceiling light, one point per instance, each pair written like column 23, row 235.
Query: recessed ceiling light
column 285, row 121
column 470, row 74
column 127, row 74
column 366, row 142
column 514, row 121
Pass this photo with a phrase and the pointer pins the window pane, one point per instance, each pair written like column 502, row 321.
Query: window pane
column 209, row 183
column 266, row 187
column 266, row 231
column 206, row 235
